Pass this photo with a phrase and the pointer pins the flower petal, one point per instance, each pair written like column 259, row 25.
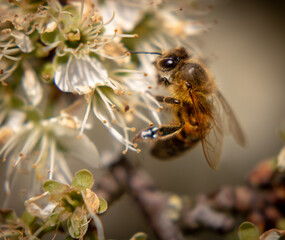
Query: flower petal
column 40, row 206
column 32, row 86
column 80, row 75
column 127, row 15
column 23, row 42
column 79, row 147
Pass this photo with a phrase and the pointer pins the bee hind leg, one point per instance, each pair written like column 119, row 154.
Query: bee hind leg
column 155, row 133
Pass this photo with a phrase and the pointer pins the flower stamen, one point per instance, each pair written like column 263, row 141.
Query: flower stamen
column 52, row 158
column 85, row 117
column 30, row 143
column 44, row 145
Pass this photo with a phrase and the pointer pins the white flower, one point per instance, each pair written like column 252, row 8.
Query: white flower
column 176, row 26
column 12, row 44
column 78, row 37
column 40, row 149
column 81, row 75
column 140, row 83
column 31, row 85
column 19, row 13
column 128, row 13
column 160, row 25
column 111, row 109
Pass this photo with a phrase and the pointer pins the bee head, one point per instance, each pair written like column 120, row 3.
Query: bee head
column 170, row 59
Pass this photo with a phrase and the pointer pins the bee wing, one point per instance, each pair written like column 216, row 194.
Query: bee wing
column 223, row 120
column 212, row 142
column 232, row 123
column 211, row 128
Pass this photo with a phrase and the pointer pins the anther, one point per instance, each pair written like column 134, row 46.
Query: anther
column 160, row 108
column 117, row 91
column 127, row 108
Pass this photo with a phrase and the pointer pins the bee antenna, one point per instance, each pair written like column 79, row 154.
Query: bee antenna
column 157, row 53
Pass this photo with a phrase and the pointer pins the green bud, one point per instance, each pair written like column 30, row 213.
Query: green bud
column 83, row 179
column 248, row 231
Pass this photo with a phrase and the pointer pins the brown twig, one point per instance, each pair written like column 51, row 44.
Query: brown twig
column 203, row 215
column 123, row 177
column 261, row 201
column 135, row 181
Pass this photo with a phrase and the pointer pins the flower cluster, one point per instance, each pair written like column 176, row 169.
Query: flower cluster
column 62, row 60
column 75, row 204
column 61, row 206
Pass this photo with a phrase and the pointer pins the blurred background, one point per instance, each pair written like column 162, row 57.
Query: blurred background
column 246, row 54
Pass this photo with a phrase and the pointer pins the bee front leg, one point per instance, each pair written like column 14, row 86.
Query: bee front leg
column 155, row 133
column 169, row 100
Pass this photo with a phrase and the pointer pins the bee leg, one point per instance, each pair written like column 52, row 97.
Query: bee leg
column 169, row 100
column 162, row 81
column 155, row 133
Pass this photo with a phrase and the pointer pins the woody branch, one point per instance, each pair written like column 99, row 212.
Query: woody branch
column 260, row 200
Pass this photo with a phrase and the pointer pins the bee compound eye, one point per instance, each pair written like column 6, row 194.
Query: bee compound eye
column 168, row 63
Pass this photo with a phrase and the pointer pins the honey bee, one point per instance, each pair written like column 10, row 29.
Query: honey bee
column 201, row 111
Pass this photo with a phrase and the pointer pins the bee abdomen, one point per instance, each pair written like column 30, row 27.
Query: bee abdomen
column 172, row 147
